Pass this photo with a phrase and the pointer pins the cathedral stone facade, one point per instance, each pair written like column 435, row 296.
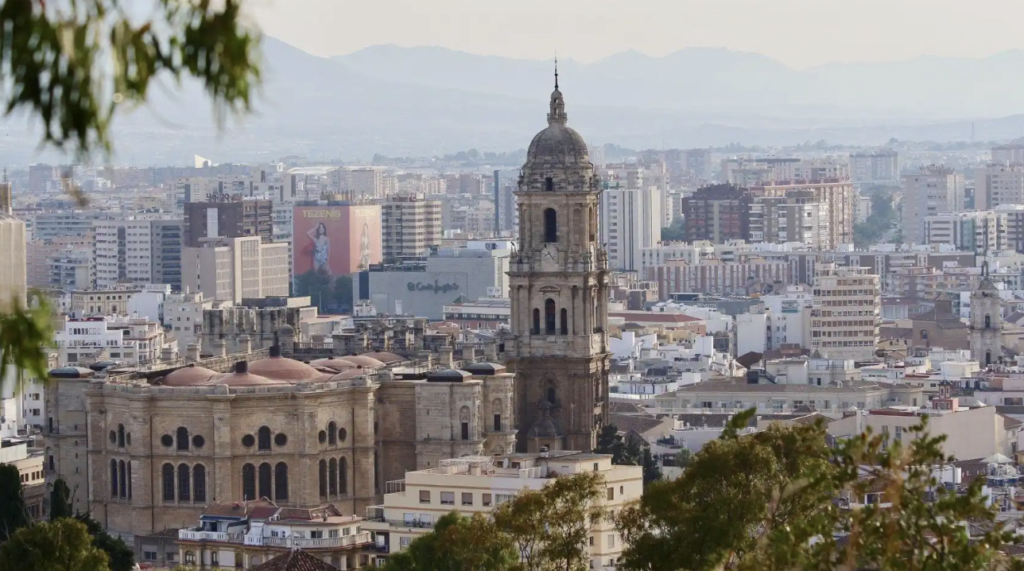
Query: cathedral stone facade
column 558, row 282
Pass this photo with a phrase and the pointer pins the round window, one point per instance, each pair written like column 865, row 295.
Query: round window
column 342, row 434
column 166, row 440
column 280, row 439
column 322, row 437
column 248, row 441
column 198, row 441
column 113, row 437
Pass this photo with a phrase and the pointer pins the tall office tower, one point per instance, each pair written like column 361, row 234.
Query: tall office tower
column 717, row 213
column 232, row 219
column 559, row 294
column 137, row 251
column 410, row 226
column 13, row 271
column 998, row 184
column 630, row 219
column 934, row 190
column 880, row 167
column 233, row 269
column 1012, row 153
column 846, row 312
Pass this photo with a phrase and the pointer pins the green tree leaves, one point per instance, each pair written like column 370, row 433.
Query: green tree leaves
column 13, row 515
column 63, row 545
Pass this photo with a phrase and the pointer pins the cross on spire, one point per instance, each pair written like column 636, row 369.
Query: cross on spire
column 556, row 70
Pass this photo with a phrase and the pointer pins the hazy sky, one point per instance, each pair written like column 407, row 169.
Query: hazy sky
column 800, row 33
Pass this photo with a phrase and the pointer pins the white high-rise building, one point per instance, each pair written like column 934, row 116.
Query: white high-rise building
column 846, row 313
column 137, row 251
column 630, row 221
column 983, row 232
column 233, row 269
column 933, row 190
column 13, row 269
column 879, row 167
column 998, row 184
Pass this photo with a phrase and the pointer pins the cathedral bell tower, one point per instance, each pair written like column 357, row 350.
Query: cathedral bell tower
column 558, row 281
column 986, row 321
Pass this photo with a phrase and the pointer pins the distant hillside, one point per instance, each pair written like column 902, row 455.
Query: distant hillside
column 422, row 101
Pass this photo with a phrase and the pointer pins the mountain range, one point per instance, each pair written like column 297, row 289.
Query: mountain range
column 429, row 100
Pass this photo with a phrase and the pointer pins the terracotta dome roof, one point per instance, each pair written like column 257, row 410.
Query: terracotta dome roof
column 385, row 357
column 241, row 377
column 364, row 361
column 339, row 364
column 188, row 376
column 284, row 369
column 349, row 374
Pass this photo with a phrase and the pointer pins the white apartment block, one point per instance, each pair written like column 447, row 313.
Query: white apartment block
column 478, row 484
column 880, row 167
column 183, row 314
column 979, row 232
column 137, row 251
column 998, row 184
column 630, row 221
column 790, row 316
column 410, row 226
column 1008, row 154
column 233, row 269
column 934, row 190
column 846, row 313
column 126, row 340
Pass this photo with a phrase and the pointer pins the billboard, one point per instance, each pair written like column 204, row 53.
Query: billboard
column 336, row 240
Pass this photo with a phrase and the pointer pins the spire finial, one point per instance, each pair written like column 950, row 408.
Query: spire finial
column 556, row 69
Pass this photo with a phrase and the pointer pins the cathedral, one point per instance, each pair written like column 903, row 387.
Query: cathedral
column 986, row 321
column 558, row 280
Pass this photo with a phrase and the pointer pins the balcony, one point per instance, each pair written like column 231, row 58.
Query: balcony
column 192, row 535
column 355, row 540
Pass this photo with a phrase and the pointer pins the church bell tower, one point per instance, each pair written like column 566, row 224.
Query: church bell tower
column 986, row 321
column 558, row 281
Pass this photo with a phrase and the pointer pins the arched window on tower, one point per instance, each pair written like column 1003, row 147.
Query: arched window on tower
column 536, row 321
column 323, row 478
column 565, row 321
column 199, row 483
column 343, row 476
column 122, row 484
column 988, row 322
column 280, row 482
column 549, row 317
column 182, row 438
column 120, row 436
column 332, row 477
column 184, row 483
column 249, row 481
column 592, row 226
column 265, row 475
column 168, row 481
column 263, row 438
column 551, row 395
column 332, row 433
column 113, row 479
column 549, row 184
column 550, row 225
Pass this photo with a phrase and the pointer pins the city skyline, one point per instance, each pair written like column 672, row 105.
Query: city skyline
column 537, row 30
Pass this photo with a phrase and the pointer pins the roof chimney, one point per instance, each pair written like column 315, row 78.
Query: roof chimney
column 242, row 367
column 275, row 350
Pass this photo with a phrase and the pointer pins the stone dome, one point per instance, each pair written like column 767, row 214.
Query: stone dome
column 284, row 369
column 364, row 361
column 558, row 145
column 241, row 377
column 337, row 365
column 349, row 374
column 188, row 376
column 385, row 357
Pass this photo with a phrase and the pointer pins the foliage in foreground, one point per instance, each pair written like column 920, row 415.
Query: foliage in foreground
column 63, row 544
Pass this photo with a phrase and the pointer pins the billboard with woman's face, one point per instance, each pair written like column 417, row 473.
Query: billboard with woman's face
column 337, row 240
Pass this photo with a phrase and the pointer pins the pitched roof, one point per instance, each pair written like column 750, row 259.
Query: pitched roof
column 295, row 560
column 635, row 422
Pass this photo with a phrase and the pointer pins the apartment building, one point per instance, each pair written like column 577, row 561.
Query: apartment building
column 1008, row 154
column 797, row 217
column 933, row 190
column 878, row 167
column 998, row 184
column 232, row 269
column 64, row 223
column 478, row 484
column 837, row 197
column 410, row 227
column 1014, row 226
column 137, row 251
column 718, row 213
column 631, row 219
column 846, row 313
column 13, row 269
column 233, row 219
column 981, row 232
column 128, row 340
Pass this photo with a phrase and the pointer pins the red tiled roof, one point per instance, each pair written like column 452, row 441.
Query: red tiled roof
column 295, row 560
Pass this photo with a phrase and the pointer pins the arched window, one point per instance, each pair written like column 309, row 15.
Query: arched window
column 549, row 317
column 113, row 479
column 332, row 477
column 549, row 184
column 565, row 321
column 184, row 483
column 536, row 321
column 168, row 481
column 323, row 478
column 263, row 436
column 190, row 558
column 120, row 436
column 592, row 225
column 496, row 411
column 265, row 474
column 342, row 476
column 199, row 483
column 182, row 438
column 122, row 485
column 551, row 395
column 988, row 322
column 988, row 357
column 129, row 478
column 332, row 433
column 249, row 481
column 280, row 481
column 550, row 225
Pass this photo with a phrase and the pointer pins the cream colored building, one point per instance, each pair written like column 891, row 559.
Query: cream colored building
column 998, row 184
column 981, row 232
column 934, row 190
column 233, row 269
column 478, row 484
column 846, row 313
column 410, row 226
column 836, row 196
column 13, row 270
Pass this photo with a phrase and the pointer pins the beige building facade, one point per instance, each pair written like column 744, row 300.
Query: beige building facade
column 233, row 269
column 847, row 312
